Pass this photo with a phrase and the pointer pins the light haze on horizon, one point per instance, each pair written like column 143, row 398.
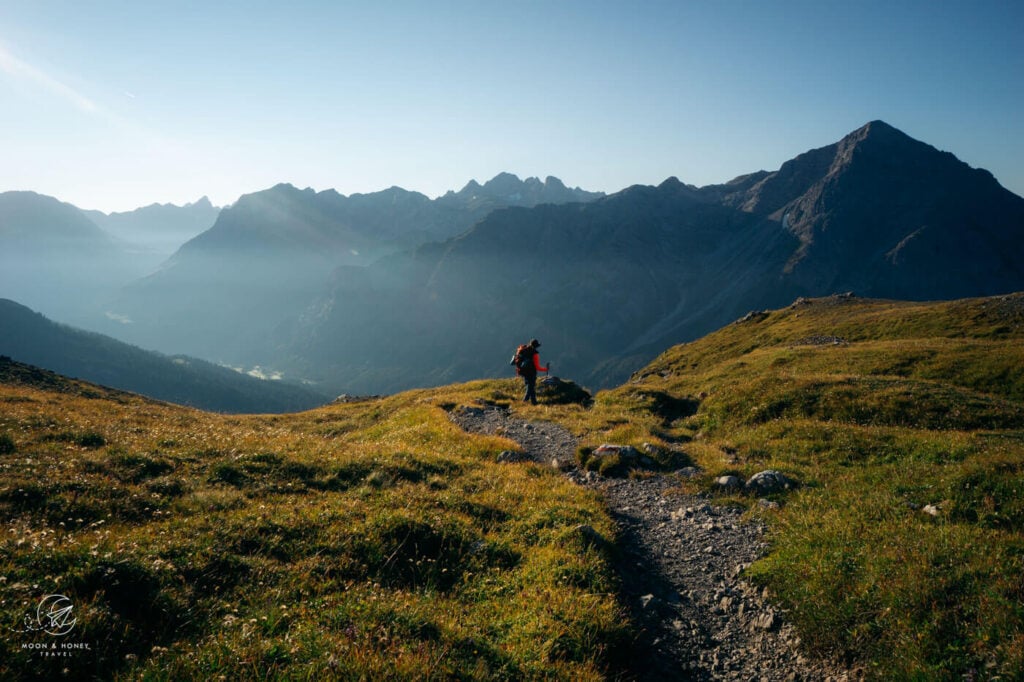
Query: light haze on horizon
column 114, row 105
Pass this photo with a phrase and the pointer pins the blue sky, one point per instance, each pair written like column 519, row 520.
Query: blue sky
column 113, row 105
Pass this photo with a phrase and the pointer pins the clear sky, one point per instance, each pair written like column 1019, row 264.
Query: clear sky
column 118, row 104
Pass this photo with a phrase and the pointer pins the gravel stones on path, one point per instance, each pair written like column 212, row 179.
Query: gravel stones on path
column 680, row 564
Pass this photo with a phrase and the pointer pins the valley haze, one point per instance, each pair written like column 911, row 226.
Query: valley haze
column 377, row 293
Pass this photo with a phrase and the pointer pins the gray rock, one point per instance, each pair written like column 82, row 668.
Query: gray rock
column 728, row 482
column 765, row 621
column 511, row 457
column 627, row 453
column 768, row 482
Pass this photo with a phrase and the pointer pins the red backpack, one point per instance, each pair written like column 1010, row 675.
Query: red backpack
column 523, row 358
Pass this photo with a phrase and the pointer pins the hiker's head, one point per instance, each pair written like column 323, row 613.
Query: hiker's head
column 535, row 343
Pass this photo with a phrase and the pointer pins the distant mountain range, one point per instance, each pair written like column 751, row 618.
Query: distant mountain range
column 609, row 284
column 153, row 233
column 55, row 258
column 69, row 263
column 30, row 338
column 225, row 294
column 380, row 292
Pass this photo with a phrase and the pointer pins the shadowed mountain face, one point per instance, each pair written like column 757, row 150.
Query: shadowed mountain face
column 884, row 214
column 152, row 233
column 29, row 337
column 609, row 284
column 225, row 292
column 56, row 259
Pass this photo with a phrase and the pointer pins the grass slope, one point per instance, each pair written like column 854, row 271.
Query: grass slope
column 878, row 409
column 375, row 540
column 371, row 540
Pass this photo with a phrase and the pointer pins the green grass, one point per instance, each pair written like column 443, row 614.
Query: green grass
column 917, row 405
column 376, row 540
column 370, row 540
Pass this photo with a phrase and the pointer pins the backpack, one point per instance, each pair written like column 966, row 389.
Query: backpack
column 523, row 358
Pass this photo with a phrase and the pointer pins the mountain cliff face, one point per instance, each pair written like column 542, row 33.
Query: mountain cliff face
column 884, row 214
column 609, row 284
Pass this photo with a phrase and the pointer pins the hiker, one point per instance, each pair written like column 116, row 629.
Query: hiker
column 527, row 362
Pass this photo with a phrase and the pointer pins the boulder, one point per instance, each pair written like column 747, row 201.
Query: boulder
column 728, row 482
column 555, row 391
column 768, row 482
column 626, row 453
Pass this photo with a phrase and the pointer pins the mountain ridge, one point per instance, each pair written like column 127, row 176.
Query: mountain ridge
column 272, row 253
column 877, row 212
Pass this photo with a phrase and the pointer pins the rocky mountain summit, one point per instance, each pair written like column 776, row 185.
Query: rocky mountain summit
column 507, row 189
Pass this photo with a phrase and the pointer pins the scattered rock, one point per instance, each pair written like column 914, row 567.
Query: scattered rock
column 931, row 510
column 765, row 621
column 821, row 341
column 768, row 482
column 345, row 398
column 729, row 482
column 625, row 452
column 754, row 316
column 511, row 456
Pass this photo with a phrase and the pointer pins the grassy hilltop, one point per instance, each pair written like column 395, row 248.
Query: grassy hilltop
column 375, row 539
column 371, row 539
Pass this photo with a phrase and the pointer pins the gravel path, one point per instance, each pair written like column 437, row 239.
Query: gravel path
column 680, row 568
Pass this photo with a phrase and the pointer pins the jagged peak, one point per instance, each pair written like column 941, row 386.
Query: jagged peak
column 876, row 133
column 503, row 176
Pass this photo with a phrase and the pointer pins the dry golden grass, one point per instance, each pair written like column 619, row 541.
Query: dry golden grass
column 367, row 540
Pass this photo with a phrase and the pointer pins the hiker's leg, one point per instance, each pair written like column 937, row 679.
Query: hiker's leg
column 531, row 389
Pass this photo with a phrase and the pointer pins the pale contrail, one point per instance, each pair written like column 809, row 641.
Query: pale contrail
column 18, row 68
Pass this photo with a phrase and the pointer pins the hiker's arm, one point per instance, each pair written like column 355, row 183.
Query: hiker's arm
column 536, row 363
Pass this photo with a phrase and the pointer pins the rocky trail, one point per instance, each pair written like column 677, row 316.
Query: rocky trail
column 680, row 566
